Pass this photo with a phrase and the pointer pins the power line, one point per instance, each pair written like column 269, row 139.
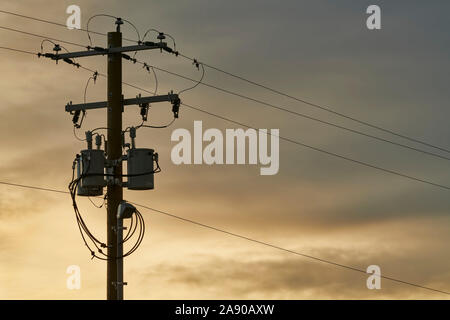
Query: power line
column 236, row 235
column 58, row 24
column 302, row 115
column 41, row 36
column 304, row 145
column 252, row 99
column 33, row 187
column 321, row 150
column 18, row 50
column 110, row 16
column 247, row 238
column 322, row 107
column 297, row 142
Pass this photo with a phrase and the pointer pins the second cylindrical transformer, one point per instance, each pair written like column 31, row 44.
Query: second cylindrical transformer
column 140, row 169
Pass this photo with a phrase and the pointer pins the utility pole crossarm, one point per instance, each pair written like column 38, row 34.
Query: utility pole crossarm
column 109, row 161
column 171, row 97
column 105, row 51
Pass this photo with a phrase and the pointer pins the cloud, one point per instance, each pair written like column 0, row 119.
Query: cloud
column 395, row 78
column 283, row 277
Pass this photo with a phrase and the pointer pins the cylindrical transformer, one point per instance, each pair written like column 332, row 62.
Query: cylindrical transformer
column 92, row 164
column 86, row 191
column 140, row 169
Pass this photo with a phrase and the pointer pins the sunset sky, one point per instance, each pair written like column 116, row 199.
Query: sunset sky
column 317, row 204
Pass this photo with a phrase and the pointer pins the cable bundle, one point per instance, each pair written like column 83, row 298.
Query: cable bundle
column 137, row 223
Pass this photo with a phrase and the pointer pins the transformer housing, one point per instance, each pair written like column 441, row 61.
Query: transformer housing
column 92, row 163
column 140, row 169
column 86, row 191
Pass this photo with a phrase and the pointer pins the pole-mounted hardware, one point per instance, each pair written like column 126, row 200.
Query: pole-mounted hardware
column 97, row 168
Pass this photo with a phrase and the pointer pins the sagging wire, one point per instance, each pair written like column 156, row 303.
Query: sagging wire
column 146, row 67
column 145, row 106
column 54, row 56
column 73, row 185
column 76, row 114
column 197, row 65
column 75, row 135
column 157, row 127
column 160, row 36
column 102, row 204
column 96, row 245
column 144, row 113
column 118, row 20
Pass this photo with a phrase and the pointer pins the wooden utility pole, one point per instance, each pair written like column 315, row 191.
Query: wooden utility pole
column 115, row 105
column 114, row 275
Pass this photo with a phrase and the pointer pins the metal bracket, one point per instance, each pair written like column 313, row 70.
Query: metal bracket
column 115, row 283
column 113, row 163
column 118, row 228
column 88, row 53
column 171, row 97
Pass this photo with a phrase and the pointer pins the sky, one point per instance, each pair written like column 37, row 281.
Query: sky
column 317, row 204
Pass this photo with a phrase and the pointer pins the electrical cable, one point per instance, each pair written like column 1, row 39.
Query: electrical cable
column 19, row 50
column 236, row 235
column 276, row 107
column 83, row 228
column 199, row 81
column 75, row 135
column 317, row 149
column 76, row 125
column 158, row 127
column 280, row 137
column 110, row 16
column 59, row 24
column 323, row 151
column 41, row 36
column 328, row 109
column 322, row 107
column 297, row 113
column 159, row 32
column 245, row 97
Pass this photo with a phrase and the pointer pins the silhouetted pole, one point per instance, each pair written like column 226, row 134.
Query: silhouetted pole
column 114, row 152
column 114, row 105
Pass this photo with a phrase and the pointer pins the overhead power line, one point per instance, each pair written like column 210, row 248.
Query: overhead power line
column 18, row 50
column 117, row 103
column 251, row 99
column 236, row 235
column 315, row 105
column 322, row 107
column 308, row 146
column 301, row 114
column 59, row 24
column 41, row 36
column 294, row 141
column 322, row 150
column 247, row 97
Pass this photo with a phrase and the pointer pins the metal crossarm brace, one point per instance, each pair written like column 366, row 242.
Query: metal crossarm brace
column 171, row 97
column 79, row 54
